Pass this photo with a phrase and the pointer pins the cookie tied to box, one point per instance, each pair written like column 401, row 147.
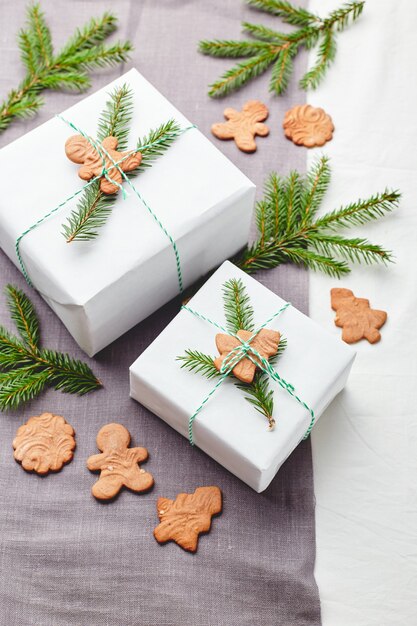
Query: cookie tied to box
column 83, row 151
column 264, row 343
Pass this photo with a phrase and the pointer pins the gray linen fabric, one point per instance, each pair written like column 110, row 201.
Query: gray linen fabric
column 66, row 559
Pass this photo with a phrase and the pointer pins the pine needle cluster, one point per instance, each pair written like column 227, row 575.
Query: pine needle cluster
column 26, row 368
column 268, row 47
column 67, row 69
column 291, row 231
column 95, row 207
column 239, row 315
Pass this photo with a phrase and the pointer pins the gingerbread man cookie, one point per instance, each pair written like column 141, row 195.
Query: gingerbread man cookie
column 183, row 519
column 242, row 126
column 356, row 317
column 265, row 343
column 45, row 443
column 308, row 126
column 118, row 463
column 79, row 150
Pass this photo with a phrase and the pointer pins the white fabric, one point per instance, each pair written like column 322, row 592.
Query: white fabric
column 365, row 446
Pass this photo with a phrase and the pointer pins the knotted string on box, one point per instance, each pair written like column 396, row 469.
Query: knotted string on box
column 102, row 152
column 246, row 351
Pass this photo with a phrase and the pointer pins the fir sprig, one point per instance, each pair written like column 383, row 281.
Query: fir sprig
column 239, row 315
column 68, row 69
column 26, row 368
column 238, row 309
column 277, row 49
column 200, row 363
column 289, row 230
column 95, row 207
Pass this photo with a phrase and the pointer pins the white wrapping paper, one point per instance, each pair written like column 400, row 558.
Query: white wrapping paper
column 228, row 428
column 102, row 288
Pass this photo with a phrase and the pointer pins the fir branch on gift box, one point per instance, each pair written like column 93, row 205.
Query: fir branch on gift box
column 68, row 69
column 26, row 368
column 95, row 206
column 277, row 49
column 239, row 314
column 290, row 231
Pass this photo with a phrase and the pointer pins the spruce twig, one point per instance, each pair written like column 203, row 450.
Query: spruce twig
column 200, row 363
column 277, row 49
column 95, row 207
column 289, row 230
column 68, row 69
column 237, row 306
column 26, row 368
column 239, row 316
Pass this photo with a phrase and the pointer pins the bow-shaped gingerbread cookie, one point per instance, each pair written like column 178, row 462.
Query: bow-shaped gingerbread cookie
column 265, row 343
column 79, row 150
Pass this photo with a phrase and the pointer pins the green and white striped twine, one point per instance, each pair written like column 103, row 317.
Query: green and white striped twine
column 105, row 172
column 246, row 351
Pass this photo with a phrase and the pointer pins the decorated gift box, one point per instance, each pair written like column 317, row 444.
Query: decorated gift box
column 116, row 206
column 241, row 373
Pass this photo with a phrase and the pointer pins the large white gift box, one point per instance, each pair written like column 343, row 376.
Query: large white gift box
column 101, row 288
column 315, row 362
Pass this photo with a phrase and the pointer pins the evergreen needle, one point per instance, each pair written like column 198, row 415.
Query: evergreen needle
column 26, row 368
column 68, row 69
column 277, row 49
column 289, row 230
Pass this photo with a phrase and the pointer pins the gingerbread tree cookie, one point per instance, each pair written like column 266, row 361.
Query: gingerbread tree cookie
column 183, row 519
column 243, row 126
column 79, row 150
column 265, row 343
column 356, row 317
column 118, row 464
column 45, row 443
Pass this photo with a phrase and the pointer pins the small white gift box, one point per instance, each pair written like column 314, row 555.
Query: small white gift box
column 101, row 288
column 228, row 428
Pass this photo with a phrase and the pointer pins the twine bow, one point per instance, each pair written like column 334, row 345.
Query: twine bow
column 246, row 351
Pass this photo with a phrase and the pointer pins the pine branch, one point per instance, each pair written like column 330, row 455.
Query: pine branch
column 360, row 212
column 258, row 392
column 95, row 207
column 237, row 306
column 17, row 388
column 325, row 57
column 116, row 117
column 24, row 316
column 26, row 369
column 89, row 216
column 244, row 71
column 260, row 32
column 67, row 69
column 89, row 36
column 158, row 141
column 200, row 363
column 297, row 16
column 277, row 49
column 289, row 230
column 68, row 374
